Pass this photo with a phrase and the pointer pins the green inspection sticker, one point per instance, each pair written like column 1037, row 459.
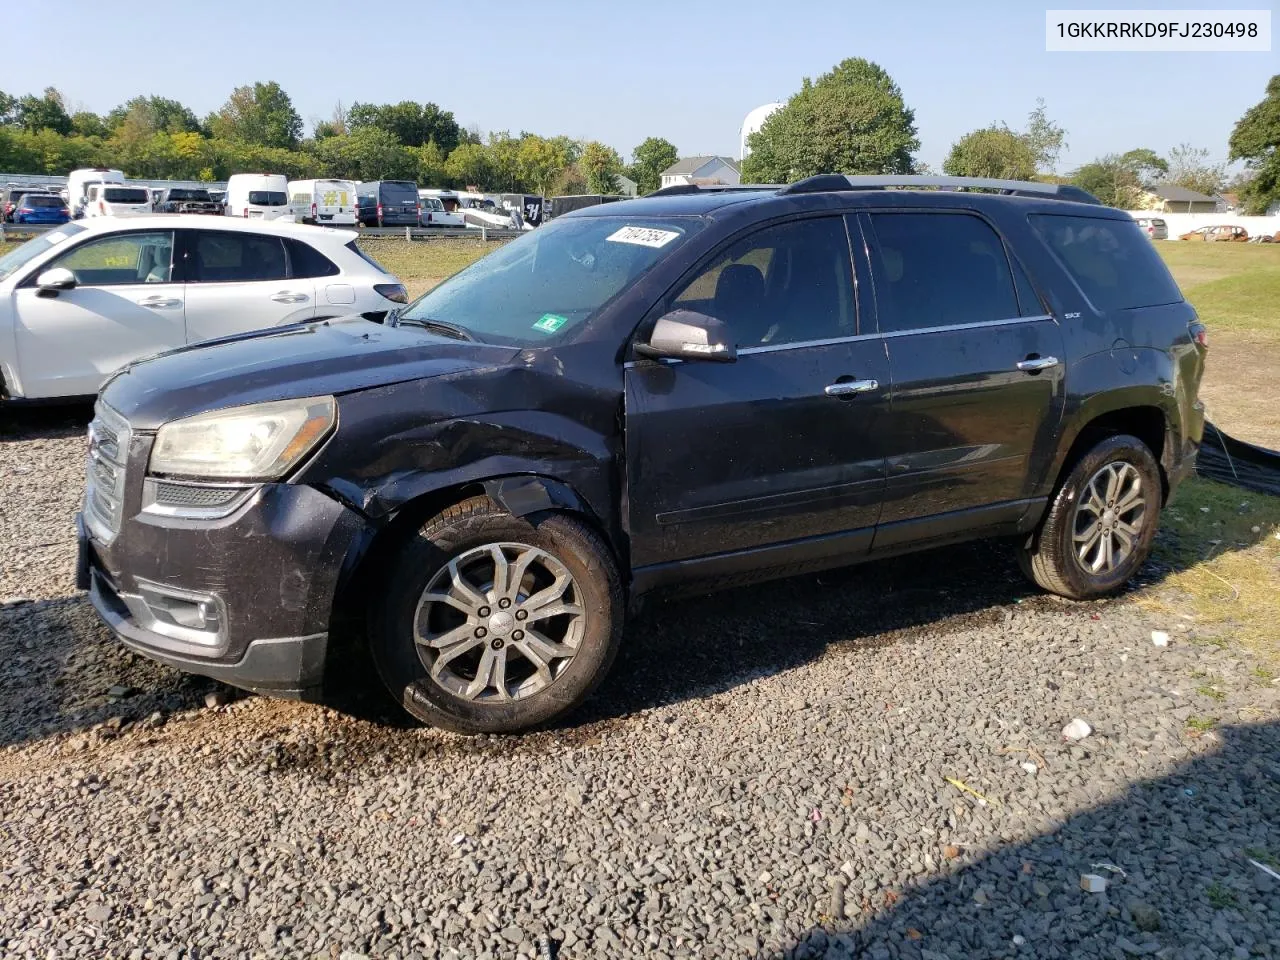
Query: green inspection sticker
column 550, row 322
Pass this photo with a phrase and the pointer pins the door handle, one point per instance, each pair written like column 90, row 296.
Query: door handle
column 159, row 303
column 848, row 388
column 1036, row 364
column 286, row 297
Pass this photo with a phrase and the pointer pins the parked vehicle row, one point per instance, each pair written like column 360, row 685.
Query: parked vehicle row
column 702, row 385
column 79, row 302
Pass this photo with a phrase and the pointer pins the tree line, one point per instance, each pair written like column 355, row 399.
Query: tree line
column 258, row 129
column 852, row 119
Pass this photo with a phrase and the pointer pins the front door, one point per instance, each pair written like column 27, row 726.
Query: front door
column 977, row 374
column 782, row 447
column 241, row 281
column 125, row 305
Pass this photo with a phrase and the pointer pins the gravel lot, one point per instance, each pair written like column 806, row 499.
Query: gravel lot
column 765, row 773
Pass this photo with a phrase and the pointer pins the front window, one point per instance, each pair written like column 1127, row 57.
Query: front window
column 543, row 286
column 121, row 260
column 16, row 259
column 268, row 198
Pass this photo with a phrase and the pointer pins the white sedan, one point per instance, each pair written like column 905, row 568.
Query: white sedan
column 81, row 301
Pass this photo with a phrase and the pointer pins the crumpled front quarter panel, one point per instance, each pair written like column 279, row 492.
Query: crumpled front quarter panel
column 399, row 442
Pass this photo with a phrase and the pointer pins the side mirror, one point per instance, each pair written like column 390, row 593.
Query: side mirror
column 688, row 335
column 51, row 281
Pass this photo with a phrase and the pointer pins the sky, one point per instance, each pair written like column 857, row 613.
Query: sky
column 620, row 73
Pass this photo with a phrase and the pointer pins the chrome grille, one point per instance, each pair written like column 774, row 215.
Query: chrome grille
column 105, row 484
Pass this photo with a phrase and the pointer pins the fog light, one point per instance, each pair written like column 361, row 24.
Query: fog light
column 184, row 614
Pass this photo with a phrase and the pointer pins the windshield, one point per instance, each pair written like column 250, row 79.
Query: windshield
column 178, row 194
column 268, row 198
column 549, row 282
column 15, row 260
column 126, row 195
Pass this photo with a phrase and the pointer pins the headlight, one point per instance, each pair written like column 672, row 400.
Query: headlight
column 259, row 441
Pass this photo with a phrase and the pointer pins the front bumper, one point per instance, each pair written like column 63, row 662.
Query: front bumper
column 246, row 599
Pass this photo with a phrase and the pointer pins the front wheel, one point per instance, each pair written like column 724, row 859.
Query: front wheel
column 493, row 623
column 1101, row 524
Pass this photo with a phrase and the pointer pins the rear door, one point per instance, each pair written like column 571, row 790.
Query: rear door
column 240, row 281
column 782, row 446
column 128, row 303
column 977, row 374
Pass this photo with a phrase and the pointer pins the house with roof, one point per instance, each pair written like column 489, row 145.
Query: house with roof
column 703, row 171
column 1171, row 198
column 625, row 185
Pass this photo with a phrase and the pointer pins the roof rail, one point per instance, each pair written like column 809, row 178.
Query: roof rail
column 681, row 189
column 830, row 182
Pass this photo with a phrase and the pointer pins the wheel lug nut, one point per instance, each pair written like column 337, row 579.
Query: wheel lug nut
column 481, row 631
column 522, row 614
column 504, row 603
column 518, row 635
column 483, row 611
column 496, row 643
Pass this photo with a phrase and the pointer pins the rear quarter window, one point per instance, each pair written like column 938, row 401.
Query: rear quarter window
column 1110, row 260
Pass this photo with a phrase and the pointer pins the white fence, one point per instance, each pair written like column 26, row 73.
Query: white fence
column 1180, row 223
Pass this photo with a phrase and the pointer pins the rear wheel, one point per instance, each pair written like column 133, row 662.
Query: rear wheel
column 1100, row 526
column 494, row 623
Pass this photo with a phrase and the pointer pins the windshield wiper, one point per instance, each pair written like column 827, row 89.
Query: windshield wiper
column 442, row 327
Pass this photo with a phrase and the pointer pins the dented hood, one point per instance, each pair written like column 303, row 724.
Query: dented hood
column 331, row 357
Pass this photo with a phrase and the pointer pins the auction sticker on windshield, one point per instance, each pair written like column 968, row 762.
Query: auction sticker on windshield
column 644, row 236
column 550, row 322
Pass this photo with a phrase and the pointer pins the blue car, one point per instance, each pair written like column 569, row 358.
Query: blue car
column 41, row 208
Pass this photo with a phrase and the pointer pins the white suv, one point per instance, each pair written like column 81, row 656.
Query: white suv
column 81, row 301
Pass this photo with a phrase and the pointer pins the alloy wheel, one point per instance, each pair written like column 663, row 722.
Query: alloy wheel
column 499, row 622
column 1109, row 518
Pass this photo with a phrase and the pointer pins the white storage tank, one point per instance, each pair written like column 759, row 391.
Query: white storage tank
column 753, row 122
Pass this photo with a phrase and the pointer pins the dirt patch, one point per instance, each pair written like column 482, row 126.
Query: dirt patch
column 1240, row 391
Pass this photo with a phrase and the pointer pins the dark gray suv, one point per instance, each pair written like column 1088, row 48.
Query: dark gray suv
column 699, row 385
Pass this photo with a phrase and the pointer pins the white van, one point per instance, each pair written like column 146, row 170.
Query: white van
column 258, row 196
column 116, row 200
column 78, row 180
column 330, row 202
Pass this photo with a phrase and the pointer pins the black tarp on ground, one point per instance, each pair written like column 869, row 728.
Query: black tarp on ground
column 1228, row 460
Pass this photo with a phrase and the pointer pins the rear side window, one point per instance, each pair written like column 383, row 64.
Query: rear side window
column 1110, row 260
column 307, row 261
column 237, row 257
column 940, row 270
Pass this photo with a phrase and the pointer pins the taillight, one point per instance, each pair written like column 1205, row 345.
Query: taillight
column 395, row 292
column 313, row 211
column 246, row 213
column 1200, row 334
column 379, row 211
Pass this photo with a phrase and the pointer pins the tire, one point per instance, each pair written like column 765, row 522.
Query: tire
column 405, row 621
column 1052, row 556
